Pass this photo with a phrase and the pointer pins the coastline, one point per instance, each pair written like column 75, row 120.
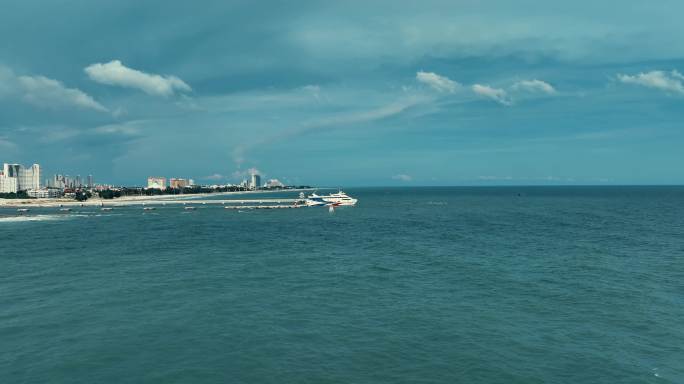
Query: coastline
column 129, row 200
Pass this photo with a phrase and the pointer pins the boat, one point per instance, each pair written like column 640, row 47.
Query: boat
column 149, row 208
column 106, row 209
column 189, row 208
column 336, row 199
column 23, row 210
column 65, row 209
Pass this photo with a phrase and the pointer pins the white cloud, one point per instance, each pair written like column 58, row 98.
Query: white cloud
column 215, row 176
column 44, row 92
column 115, row 73
column 117, row 129
column 402, row 177
column 437, row 82
column 336, row 120
column 534, row 86
column 241, row 174
column 664, row 81
column 314, row 90
column 496, row 94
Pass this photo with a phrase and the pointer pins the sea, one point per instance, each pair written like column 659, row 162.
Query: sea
column 412, row 285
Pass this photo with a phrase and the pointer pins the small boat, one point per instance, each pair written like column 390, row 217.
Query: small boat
column 149, row 208
column 189, row 208
column 65, row 209
column 23, row 210
column 106, row 209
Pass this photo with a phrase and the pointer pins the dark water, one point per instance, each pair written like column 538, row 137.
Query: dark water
column 432, row 285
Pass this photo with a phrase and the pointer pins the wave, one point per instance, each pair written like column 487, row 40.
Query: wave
column 19, row 219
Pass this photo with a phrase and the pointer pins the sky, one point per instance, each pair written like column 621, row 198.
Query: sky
column 348, row 93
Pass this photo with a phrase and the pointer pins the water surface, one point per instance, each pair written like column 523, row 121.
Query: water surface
column 414, row 285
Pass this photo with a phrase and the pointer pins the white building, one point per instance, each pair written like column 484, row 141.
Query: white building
column 156, row 182
column 178, row 183
column 255, row 183
column 7, row 184
column 16, row 177
column 44, row 193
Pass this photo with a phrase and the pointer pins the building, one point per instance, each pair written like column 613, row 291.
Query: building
column 44, row 193
column 90, row 183
column 255, row 182
column 156, row 182
column 7, row 184
column 16, row 177
column 178, row 183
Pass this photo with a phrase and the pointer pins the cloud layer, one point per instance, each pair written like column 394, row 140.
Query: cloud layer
column 437, row 82
column 497, row 94
column 45, row 92
column 402, row 177
column 534, row 86
column 116, row 74
column 664, row 81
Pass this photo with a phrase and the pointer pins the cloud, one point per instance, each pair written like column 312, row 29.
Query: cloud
column 664, row 81
column 117, row 129
column 402, row 177
column 115, row 73
column 215, row 176
column 6, row 80
column 494, row 178
column 496, row 94
column 338, row 120
column 534, row 86
column 45, row 92
column 437, row 82
column 6, row 144
column 241, row 174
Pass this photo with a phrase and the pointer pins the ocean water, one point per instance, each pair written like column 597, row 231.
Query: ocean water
column 414, row 285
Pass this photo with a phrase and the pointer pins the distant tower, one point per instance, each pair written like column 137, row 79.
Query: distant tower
column 256, row 181
column 90, row 181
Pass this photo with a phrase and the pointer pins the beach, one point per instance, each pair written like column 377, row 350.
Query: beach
column 131, row 200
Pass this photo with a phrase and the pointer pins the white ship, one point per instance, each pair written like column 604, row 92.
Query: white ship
column 335, row 199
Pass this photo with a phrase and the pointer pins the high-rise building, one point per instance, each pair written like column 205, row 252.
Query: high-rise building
column 90, row 183
column 16, row 177
column 255, row 183
column 7, row 184
column 178, row 183
column 156, row 182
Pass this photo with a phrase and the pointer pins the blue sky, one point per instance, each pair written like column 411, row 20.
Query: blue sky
column 346, row 93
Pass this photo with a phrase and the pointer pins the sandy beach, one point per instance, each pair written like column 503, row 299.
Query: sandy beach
column 134, row 200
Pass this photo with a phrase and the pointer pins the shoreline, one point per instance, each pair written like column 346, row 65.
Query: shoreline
column 130, row 200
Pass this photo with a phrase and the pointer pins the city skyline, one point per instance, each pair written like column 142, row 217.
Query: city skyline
column 455, row 93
